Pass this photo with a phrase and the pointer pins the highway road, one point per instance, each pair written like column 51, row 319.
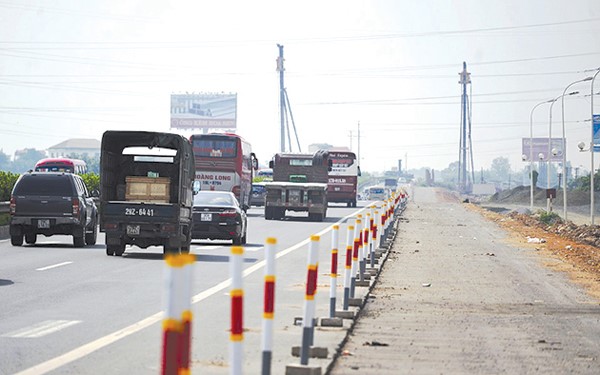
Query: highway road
column 77, row 311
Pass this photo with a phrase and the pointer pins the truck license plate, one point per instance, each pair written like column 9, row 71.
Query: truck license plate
column 43, row 223
column 205, row 217
column 133, row 229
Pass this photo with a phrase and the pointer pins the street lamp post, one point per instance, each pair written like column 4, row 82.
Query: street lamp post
column 531, row 152
column 592, row 153
column 564, row 156
column 549, row 152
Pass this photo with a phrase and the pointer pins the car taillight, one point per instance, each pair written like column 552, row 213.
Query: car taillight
column 236, row 190
column 75, row 206
column 228, row 213
column 13, row 205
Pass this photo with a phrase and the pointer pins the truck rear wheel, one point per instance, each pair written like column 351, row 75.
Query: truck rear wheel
column 117, row 250
column 30, row 238
column 16, row 240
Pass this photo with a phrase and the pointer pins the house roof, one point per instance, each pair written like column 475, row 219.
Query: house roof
column 87, row 143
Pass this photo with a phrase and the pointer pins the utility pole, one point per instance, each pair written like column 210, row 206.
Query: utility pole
column 282, row 107
column 465, row 79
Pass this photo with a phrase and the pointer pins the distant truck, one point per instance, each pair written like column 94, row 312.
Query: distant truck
column 391, row 184
column 299, row 184
column 343, row 178
column 146, row 190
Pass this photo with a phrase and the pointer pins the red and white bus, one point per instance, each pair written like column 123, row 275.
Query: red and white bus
column 225, row 162
column 61, row 165
column 343, row 178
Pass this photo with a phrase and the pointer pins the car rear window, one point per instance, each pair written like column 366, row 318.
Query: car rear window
column 258, row 189
column 44, row 185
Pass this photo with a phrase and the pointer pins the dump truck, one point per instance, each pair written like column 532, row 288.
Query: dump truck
column 146, row 190
column 299, row 184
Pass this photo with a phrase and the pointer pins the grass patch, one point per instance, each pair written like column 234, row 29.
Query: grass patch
column 4, row 219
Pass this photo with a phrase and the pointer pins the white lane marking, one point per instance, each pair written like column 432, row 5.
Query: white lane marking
column 42, row 329
column 53, row 266
column 100, row 343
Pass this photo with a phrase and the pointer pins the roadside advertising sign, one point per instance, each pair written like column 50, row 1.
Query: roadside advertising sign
column 203, row 111
column 539, row 146
column 596, row 125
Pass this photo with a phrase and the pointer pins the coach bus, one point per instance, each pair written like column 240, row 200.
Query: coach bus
column 61, row 165
column 225, row 162
column 343, row 178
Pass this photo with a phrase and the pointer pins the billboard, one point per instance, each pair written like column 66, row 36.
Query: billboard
column 203, row 111
column 539, row 146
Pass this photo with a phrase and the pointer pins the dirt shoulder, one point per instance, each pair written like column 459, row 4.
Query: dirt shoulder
column 569, row 245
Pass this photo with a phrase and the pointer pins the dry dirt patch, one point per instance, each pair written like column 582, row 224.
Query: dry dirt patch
column 570, row 245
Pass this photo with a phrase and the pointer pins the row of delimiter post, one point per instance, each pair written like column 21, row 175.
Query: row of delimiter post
column 369, row 236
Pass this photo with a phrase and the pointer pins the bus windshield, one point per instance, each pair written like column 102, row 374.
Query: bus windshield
column 215, row 147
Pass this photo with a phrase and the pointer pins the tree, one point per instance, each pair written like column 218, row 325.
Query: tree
column 4, row 161
column 26, row 159
column 500, row 169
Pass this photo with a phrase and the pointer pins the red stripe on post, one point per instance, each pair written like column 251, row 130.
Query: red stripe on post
column 349, row 257
column 237, row 314
column 311, row 282
column 334, row 263
column 366, row 237
column 269, row 306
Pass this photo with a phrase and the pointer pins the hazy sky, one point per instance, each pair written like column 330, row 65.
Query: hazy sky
column 77, row 68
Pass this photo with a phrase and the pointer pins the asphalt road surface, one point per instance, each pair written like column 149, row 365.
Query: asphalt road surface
column 456, row 296
column 67, row 310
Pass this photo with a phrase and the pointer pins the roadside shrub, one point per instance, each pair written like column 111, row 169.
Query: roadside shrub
column 92, row 181
column 7, row 182
column 549, row 218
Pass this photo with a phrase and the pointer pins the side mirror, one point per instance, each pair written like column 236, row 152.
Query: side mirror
column 359, row 174
column 254, row 161
column 271, row 164
column 196, row 187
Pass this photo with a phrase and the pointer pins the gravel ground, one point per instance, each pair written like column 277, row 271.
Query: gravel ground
column 459, row 295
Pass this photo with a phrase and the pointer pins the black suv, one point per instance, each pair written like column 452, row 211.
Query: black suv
column 51, row 203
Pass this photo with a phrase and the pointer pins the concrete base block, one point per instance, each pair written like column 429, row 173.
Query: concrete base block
column 355, row 301
column 362, row 283
column 345, row 314
column 298, row 321
column 313, row 352
column 373, row 272
column 302, row 370
column 332, row 322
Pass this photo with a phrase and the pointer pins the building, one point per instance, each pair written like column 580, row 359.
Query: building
column 80, row 146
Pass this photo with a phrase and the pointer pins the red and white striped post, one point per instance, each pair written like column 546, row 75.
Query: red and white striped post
column 348, row 270
column 355, row 251
column 365, row 247
column 373, row 241
column 186, row 315
column 309, row 300
column 177, row 322
column 335, row 232
column 269, row 305
column 236, row 336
